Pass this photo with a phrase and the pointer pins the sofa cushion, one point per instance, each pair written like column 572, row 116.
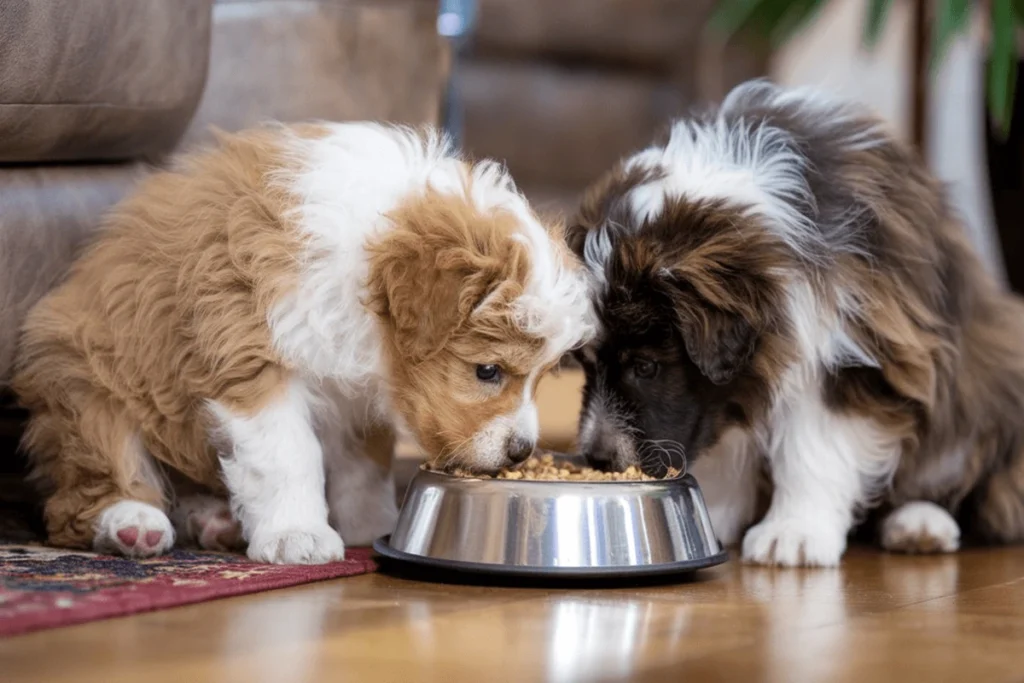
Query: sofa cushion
column 48, row 214
column 297, row 60
column 280, row 59
column 99, row 79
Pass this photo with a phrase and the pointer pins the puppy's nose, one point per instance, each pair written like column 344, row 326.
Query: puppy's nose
column 519, row 450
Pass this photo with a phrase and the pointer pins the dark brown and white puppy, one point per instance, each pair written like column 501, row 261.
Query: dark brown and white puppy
column 784, row 288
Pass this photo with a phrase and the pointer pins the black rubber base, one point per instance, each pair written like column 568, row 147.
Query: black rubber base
column 454, row 571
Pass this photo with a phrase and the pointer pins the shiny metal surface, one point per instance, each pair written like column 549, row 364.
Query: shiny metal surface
column 555, row 527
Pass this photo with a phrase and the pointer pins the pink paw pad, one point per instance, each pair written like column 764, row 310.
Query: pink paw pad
column 133, row 528
column 129, row 535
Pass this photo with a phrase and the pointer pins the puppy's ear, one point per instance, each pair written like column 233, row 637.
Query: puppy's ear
column 434, row 268
column 724, row 297
column 719, row 343
column 721, row 276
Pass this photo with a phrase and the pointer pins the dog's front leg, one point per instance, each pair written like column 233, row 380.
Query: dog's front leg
column 824, row 466
column 274, row 470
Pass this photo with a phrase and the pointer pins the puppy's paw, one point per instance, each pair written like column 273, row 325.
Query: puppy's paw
column 133, row 529
column 920, row 527
column 315, row 545
column 207, row 522
column 793, row 542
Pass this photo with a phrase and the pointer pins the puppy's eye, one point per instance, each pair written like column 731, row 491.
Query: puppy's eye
column 488, row 373
column 644, row 368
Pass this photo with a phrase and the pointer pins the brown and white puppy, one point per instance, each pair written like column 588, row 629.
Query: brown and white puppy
column 261, row 320
column 784, row 289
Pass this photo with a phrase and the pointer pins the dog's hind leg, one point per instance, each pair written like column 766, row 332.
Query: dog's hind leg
column 920, row 526
column 104, row 490
column 206, row 522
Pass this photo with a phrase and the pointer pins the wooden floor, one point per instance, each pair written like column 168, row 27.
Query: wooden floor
column 879, row 618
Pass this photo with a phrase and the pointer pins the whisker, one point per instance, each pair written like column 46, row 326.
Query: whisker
column 660, row 452
column 456, row 454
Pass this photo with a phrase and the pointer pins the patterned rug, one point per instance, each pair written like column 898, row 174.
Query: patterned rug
column 44, row 587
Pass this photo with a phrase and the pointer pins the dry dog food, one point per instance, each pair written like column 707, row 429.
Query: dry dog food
column 546, row 467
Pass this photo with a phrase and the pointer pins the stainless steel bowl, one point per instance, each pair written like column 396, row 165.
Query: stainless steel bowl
column 554, row 528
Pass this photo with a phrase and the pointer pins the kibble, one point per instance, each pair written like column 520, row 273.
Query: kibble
column 546, row 467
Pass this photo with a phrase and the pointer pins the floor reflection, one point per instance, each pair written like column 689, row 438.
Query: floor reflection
column 592, row 638
column 809, row 613
column 792, row 623
column 797, row 603
column 286, row 627
column 915, row 579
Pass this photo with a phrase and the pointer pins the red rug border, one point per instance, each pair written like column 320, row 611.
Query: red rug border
column 140, row 602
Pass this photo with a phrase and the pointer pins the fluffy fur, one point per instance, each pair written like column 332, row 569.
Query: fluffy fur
column 786, row 297
column 261, row 320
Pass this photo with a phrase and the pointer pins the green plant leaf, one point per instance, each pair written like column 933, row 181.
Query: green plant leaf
column 764, row 16
column 767, row 16
column 878, row 11
column 1002, row 67
column 796, row 16
column 952, row 17
column 732, row 15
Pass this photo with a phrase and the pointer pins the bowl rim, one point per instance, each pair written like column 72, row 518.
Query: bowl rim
column 685, row 480
column 683, row 475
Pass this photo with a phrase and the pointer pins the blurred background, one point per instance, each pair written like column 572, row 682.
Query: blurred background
column 560, row 90
column 93, row 92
